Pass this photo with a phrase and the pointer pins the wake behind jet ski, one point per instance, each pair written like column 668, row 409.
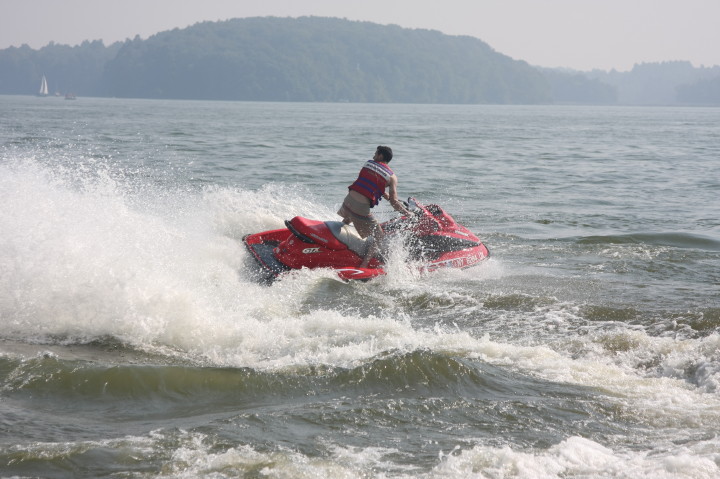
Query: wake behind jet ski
column 432, row 238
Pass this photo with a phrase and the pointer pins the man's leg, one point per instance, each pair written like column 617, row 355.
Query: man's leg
column 378, row 235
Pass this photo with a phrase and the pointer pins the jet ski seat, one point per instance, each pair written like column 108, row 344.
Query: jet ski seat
column 348, row 235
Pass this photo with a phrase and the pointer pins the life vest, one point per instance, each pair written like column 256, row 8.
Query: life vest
column 372, row 181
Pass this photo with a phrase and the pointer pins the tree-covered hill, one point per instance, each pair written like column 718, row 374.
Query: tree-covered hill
column 319, row 59
column 330, row 59
column 303, row 59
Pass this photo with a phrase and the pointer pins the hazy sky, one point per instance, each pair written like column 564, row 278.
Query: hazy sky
column 580, row 34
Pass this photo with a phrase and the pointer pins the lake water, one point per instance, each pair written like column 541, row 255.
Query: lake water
column 136, row 343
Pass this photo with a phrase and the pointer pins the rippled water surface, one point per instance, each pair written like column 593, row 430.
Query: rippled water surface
column 137, row 343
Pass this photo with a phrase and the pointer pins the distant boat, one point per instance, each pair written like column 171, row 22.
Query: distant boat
column 70, row 96
column 43, row 87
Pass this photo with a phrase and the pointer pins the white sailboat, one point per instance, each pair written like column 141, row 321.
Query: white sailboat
column 43, row 87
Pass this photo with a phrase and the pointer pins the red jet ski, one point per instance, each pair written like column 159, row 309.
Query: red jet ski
column 431, row 236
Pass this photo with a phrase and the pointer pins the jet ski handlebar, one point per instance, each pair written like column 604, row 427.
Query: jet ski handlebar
column 413, row 206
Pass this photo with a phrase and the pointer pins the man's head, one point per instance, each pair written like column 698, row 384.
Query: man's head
column 385, row 152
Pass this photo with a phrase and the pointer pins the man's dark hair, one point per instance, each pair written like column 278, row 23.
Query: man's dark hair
column 386, row 152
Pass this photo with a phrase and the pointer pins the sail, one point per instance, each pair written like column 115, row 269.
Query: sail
column 43, row 87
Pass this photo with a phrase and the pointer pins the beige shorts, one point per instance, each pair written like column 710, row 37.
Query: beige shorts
column 358, row 212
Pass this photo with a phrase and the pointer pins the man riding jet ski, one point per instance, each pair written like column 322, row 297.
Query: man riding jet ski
column 432, row 238
column 365, row 193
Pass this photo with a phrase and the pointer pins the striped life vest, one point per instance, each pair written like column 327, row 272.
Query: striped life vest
column 372, row 181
